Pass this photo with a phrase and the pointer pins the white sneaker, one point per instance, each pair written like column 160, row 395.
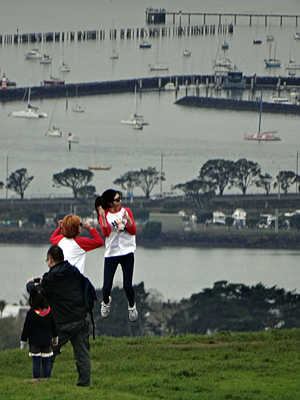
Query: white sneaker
column 133, row 313
column 105, row 308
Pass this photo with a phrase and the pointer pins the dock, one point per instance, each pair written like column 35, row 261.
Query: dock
column 159, row 16
column 183, row 84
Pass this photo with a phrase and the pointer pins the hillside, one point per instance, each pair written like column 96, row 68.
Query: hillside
column 241, row 366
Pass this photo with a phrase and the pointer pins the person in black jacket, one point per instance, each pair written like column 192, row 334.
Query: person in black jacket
column 63, row 288
column 40, row 330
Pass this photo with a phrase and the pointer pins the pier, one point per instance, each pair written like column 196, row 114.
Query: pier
column 159, row 16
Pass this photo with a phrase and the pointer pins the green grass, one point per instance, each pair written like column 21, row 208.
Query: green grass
column 241, row 366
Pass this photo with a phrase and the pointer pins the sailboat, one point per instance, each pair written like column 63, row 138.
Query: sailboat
column 97, row 167
column 135, row 119
column 272, row 62
column 77, row 108
column 158, row 66
column 30, row 111
column 53, row 131
column 265, row 136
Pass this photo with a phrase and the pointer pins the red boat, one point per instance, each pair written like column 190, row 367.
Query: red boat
column 53, row 81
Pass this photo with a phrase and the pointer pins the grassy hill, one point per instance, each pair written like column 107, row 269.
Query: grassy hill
column 241, row 366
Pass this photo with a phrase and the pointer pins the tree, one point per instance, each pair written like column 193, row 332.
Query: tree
column 197, row 189
column 285, row 179
column 244, row 174
column 73, row 178
column 87, row 191
column 1, row 185
column 295, row 222
column 127, row 182
column 19, row 181
column 264, row 182
column 217, row 171
column 146, row 179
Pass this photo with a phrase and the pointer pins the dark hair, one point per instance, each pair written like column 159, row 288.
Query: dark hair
column 106, row 199
column 56, row 253
column 38, row 299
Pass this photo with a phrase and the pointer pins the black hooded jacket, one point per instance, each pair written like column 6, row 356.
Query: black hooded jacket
column 64, row 292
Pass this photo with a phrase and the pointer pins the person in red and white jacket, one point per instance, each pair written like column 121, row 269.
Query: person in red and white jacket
column 74, row 247
column 118, row 227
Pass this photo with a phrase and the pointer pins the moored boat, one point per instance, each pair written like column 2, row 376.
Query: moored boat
column 33, row 54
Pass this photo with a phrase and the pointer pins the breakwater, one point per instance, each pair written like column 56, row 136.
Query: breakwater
column 237, row 105
column 157, row 84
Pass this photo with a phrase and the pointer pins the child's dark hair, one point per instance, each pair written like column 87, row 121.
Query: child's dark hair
column 106, row 199
column 38, row 299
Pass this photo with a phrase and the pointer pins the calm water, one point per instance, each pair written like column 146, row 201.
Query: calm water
column 175, row 273
column 186, row 137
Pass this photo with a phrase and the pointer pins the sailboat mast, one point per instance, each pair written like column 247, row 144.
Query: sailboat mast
column 260, row 110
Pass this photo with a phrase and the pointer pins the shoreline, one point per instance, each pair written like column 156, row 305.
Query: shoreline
column 211, row 237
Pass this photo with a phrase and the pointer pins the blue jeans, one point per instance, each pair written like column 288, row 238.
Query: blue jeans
column 110, row 267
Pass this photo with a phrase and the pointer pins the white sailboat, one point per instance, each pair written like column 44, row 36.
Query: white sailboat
column 158, row 66
column 53, row 131
column 30, row 111
column 77, row 108
column 135, row 119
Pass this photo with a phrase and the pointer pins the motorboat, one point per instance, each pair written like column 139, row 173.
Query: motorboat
column 53, row 81
column 297, row 36
column 292, row 65
column 64, row 68
column 145, row 45
column 170, row 86
column 78, row 109
column 72, row 138
column 224, row 45
column 33, row 54
column 222, row 66
column 265, row 136
column 234, row 80
column 270, row 38
column 46, row 59
column 279, row 100
column 257, row 41
column 187, row 53
column 30, row 111
column 158, row 67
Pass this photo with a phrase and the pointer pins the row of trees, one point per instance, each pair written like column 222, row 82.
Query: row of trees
column 225, row 306
column 214, row 177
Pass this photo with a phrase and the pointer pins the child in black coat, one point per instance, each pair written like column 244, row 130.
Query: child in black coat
column 40, row 330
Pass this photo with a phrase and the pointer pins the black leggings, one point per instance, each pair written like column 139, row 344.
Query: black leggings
column 110, row 267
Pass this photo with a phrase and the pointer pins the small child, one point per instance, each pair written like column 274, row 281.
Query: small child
column 40, row 330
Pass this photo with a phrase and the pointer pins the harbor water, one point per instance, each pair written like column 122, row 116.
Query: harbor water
column 170, row 273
